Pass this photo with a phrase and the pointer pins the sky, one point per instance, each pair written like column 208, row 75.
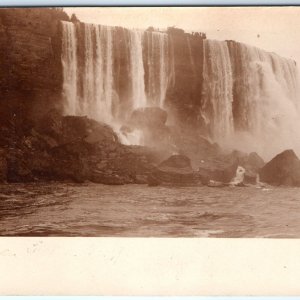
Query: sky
column 275, row 29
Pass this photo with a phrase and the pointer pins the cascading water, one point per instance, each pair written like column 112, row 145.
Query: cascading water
column 267, row 117
column 157, row 67
column 104, row 74
column 69, row 62
column 217, row 95
column 137, row 69
column 249, row 101
column 89, row 83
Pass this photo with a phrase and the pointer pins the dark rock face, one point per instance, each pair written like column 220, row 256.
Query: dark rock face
column 72, row 149
column 283, row 169
column 3, row 166
column 30, row 68
column 176, row 170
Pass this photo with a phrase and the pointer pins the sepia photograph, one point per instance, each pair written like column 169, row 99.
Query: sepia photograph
column 150, row 122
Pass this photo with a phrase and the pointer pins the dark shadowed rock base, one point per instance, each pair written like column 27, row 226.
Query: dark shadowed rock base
column 72, row 149
column 176, row 170
column 283, row 169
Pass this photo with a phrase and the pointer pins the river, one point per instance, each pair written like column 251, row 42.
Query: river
column 64, row 209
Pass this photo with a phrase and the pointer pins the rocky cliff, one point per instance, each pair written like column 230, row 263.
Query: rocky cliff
column 30, row 63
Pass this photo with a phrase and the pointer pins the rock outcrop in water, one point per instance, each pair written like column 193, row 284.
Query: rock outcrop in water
column 222, row 167
column 283, row 169
column 175, row 171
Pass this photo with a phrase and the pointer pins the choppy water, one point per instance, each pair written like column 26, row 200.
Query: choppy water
column 142, row 211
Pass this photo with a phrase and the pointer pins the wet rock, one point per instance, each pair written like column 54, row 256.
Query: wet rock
column 194, row 146
column 255, row 160
column 150, row 124
column 176, row 170
column 223, row 167
column 147, row 117
column 216, row 170
column 283, row 169
column 83, row 128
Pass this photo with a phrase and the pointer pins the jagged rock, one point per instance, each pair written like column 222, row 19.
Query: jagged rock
column 176, row 170
column 283, row 169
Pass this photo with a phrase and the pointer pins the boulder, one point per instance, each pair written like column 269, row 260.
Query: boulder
column 147, row 117
column 177, row 162
column 283, row 169
column 176, row 170
column 83, row 128
column 51, row 124
column 216, row 170
column 148, row 125
column 223, row 167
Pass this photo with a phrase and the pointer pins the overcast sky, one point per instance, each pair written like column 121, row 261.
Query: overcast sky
column 275, row 29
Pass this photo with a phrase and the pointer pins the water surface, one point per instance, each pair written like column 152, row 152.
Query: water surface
column 141, row 211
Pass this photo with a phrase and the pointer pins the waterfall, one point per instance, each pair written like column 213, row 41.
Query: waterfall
column 104, row 74
column 89, row 97
column 96, row 74
column 248, row 98
column 137, row 69
column 217, row 90
column 69, row 62
column 267, row 117
column 157, row 67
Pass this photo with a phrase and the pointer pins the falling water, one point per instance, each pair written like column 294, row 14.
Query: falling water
column 137, row 69
column 97, row 78
column 267, row 116
column 69, row 62
column 217, row 89
column 89, row 97
column 104, row 74
column 157, row 66
column 249, row 101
